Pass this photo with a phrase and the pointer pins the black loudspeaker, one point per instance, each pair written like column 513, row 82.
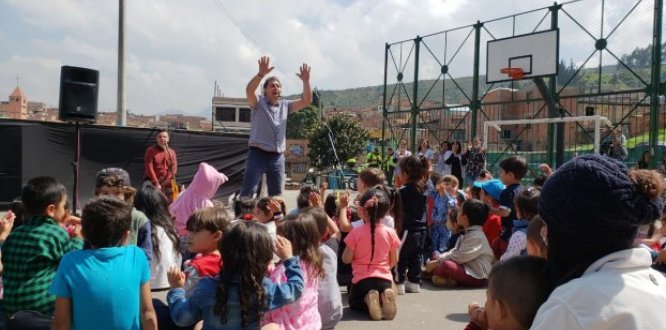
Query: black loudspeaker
column 79, row 89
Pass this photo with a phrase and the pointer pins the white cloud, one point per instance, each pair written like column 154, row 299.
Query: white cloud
column 39, row 77
column 176, row 49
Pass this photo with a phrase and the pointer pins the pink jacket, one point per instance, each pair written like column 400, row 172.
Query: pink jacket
column 197, row 195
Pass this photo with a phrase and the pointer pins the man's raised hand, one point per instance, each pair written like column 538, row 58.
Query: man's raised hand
column 304, row 72
column 265, row 66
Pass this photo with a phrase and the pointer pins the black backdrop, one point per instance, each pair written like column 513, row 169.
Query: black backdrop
column 29, row 149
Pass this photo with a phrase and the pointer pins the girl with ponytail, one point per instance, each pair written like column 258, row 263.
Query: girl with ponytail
column 372, row 250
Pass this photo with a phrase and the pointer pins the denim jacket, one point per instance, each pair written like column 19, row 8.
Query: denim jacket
column 200, row 305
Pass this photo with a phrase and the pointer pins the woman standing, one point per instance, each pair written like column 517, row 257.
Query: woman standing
column 425, row 152
column 397, row 156
column 644, row 162
column 456, row 161
column 444, row 152
column 475, row 159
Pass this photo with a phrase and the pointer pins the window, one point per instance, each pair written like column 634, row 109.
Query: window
column 225, row 114
column 506, row 134
column 458, row 135
column 296, row 149
column 589, row 111
column 299, row 167
column 244, row 115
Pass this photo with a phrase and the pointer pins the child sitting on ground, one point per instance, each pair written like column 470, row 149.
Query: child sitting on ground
column 205, row 228
column 368, row 178
column 303, row 199
column 108, row 277
column 658, row 251
column 32, row 252
column 516, row 289
column 165, row 241
column 442, row 202
column 526, row 209
column 220, row 302
column 329, row 299
column 490, row 192
column 470, row 261
column 303, row 314
column 244, row 209
column 453, row 226
column 115, row 182
column 512, row 170
column 372, row 250
column 392, row 217
column 536, row 238
column 198, row 195
column 268, row 211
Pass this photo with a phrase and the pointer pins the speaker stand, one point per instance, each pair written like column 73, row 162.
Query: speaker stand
column 75, row 168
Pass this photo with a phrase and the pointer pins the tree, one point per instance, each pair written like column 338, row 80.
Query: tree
column 301, row 123
column 641, row 57
column 567, row 72
column 348, row 136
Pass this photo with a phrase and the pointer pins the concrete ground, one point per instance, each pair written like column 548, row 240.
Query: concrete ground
column 433, row 308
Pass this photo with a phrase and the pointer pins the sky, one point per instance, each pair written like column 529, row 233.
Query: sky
column 176, row 49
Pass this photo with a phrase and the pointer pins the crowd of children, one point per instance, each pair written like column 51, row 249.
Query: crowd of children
column 535, row 248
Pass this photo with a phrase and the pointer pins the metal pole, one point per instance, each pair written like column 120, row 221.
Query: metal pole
column 415, row 98
column 212, row 108
column 384, row 107
column 76, row 167
column 597, row 135
column 476, row 103
column 655, row 85
column 121, row 119
column 552, row 113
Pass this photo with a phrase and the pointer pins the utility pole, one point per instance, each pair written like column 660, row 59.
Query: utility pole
column 121, row 119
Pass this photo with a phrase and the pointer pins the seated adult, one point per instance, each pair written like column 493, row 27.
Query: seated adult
column 593, row 206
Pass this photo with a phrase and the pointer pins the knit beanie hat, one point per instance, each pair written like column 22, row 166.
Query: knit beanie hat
column 593, row 206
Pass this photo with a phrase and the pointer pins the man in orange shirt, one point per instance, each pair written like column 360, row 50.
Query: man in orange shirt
column 161, row 164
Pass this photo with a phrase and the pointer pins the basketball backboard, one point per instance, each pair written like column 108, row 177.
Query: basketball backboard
column 537, row 54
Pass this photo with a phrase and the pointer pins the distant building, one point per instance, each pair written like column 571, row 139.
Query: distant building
column 16, row 107
column 179, row 121
column 231, row 114
column 296, row 159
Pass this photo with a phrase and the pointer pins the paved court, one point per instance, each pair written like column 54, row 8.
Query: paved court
column 433, row 308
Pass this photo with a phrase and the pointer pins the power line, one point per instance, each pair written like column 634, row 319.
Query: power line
column 246, row 34
column 220, row 5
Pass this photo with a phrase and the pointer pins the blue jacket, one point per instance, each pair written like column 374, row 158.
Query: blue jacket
column 520, row 225
column 200, row 305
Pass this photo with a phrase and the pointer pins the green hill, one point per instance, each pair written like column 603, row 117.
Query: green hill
column 613, row 78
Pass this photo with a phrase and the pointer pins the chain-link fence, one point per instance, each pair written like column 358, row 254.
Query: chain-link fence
column 610, row 63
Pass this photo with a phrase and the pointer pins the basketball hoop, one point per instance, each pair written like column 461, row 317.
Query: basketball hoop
column 513, row 73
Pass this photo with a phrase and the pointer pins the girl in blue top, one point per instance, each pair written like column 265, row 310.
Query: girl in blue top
column 247, row 250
